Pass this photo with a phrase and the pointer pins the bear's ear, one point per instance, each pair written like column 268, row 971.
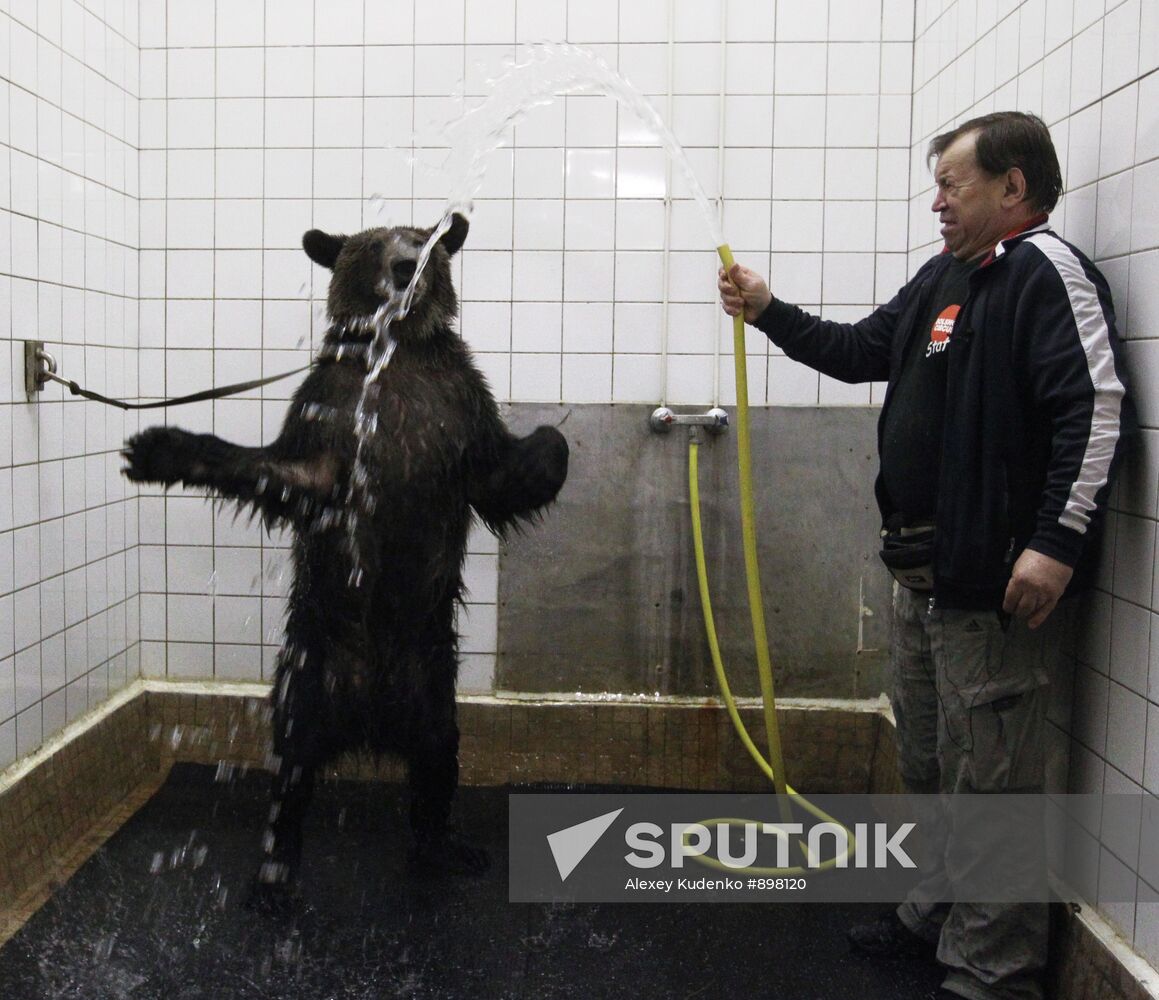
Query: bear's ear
column 322, row 248
column 453, row 238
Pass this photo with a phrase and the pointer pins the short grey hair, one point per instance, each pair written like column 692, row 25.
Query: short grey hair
column 1007, row 139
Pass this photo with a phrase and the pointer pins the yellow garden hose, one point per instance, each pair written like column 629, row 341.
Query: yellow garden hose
column 749, row 538
column 774, row 767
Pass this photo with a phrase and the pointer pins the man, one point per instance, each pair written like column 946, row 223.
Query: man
column 997, row 437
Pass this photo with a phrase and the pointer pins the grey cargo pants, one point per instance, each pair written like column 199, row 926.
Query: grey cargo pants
column 969, row 698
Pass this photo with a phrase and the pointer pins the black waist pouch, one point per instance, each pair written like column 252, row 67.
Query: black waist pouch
column 908, row 553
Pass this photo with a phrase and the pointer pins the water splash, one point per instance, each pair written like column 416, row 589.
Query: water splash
column 548, row 70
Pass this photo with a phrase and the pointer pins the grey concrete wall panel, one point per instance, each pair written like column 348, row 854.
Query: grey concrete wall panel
column 603, row 595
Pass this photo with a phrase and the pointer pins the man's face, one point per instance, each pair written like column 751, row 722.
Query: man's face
column 970, row 202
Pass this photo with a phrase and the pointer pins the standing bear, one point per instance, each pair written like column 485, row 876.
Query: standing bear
column 379, row 532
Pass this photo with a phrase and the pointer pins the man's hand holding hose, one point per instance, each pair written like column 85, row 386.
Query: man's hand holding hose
column 742, row 289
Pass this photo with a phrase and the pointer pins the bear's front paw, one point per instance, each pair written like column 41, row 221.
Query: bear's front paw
column 539, row 467
column 549, row 449
column 156, row 455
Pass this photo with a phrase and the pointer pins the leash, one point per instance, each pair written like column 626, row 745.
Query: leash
column 194, row 397
column 328, row 353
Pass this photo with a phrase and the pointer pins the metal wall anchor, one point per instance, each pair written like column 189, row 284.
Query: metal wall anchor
column 38, row 366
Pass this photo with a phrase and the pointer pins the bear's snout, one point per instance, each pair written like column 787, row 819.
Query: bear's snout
column 402, row 271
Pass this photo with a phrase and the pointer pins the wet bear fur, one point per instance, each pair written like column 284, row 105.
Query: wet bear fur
column 371, row 663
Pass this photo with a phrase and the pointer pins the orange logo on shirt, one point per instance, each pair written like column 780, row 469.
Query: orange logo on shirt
column 941, row 330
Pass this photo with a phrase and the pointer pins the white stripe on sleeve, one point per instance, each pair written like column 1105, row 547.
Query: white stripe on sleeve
column 1108, row 390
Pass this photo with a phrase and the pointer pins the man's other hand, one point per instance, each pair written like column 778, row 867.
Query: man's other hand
column 1035, row 586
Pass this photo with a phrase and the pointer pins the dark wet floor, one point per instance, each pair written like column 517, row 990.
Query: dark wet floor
column 157, row 914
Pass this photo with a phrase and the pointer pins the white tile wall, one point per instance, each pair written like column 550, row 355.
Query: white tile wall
column 69, row 209
column 292, row 107
column 1089, row 68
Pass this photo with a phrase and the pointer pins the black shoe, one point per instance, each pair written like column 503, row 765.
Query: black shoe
column 888, row 937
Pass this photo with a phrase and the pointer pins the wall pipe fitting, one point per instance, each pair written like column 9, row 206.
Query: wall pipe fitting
column 663, row 419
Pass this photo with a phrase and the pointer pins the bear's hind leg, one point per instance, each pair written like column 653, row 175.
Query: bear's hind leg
column 297, row 721
column 293, row 788
column 433, row 775
column 274, row 887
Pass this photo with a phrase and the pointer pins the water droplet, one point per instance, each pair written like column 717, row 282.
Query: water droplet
column 103, row 948
column 289, row 951
column 271, row 872
column 536, row 943
column 601, row 942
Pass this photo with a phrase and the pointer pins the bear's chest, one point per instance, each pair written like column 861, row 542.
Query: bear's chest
column 419, row 428
column 410, row 422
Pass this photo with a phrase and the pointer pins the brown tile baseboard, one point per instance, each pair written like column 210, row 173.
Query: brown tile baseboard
column 58, row 807
column 830, row 747
column 1090, row 962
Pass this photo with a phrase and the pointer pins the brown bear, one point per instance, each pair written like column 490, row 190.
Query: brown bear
column 370, row 653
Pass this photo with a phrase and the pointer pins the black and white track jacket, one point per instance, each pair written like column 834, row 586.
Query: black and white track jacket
column 1034, row 401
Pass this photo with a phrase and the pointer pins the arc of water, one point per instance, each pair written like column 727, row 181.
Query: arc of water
column 547, row 71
